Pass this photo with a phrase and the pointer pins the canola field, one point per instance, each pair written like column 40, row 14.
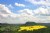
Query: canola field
column 27, row 28
column 31, row 28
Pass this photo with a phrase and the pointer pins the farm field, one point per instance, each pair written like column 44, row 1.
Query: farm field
column 24, row 28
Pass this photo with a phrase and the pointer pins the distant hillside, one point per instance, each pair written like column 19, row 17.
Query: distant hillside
column 28, row 23
column 47, row 24
column 33, row 23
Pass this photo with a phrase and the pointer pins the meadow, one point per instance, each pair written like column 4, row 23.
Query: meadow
column 24, row 28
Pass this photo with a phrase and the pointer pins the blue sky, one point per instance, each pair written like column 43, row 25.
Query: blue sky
column 16, row 8
column 21, row 11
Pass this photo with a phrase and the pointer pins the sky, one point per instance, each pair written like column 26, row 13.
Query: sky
column 22, row 11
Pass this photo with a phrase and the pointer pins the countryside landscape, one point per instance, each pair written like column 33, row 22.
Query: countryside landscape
column 24, row 16
column 14, row 28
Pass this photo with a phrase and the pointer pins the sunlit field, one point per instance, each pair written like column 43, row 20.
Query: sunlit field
column 24, row 28
column 31, row 28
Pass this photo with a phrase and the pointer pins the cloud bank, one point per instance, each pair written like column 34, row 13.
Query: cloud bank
column 40, row 15
column 39, row 2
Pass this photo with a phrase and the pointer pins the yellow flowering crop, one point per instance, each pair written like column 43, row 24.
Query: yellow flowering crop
column 31, row 28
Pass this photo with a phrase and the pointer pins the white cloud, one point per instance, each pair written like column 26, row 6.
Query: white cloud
column 43, row 14
column 39, row 2
column 27, row 15
column 20, row 5
column 44, row 4
column 6, row 16
column 26, row 11
column 41, row 10
column 10, row 6
column 40, row 15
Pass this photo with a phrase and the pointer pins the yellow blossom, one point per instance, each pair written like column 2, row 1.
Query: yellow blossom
column 31, row 28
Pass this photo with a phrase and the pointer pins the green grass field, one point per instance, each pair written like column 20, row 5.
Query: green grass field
column 13, row 28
